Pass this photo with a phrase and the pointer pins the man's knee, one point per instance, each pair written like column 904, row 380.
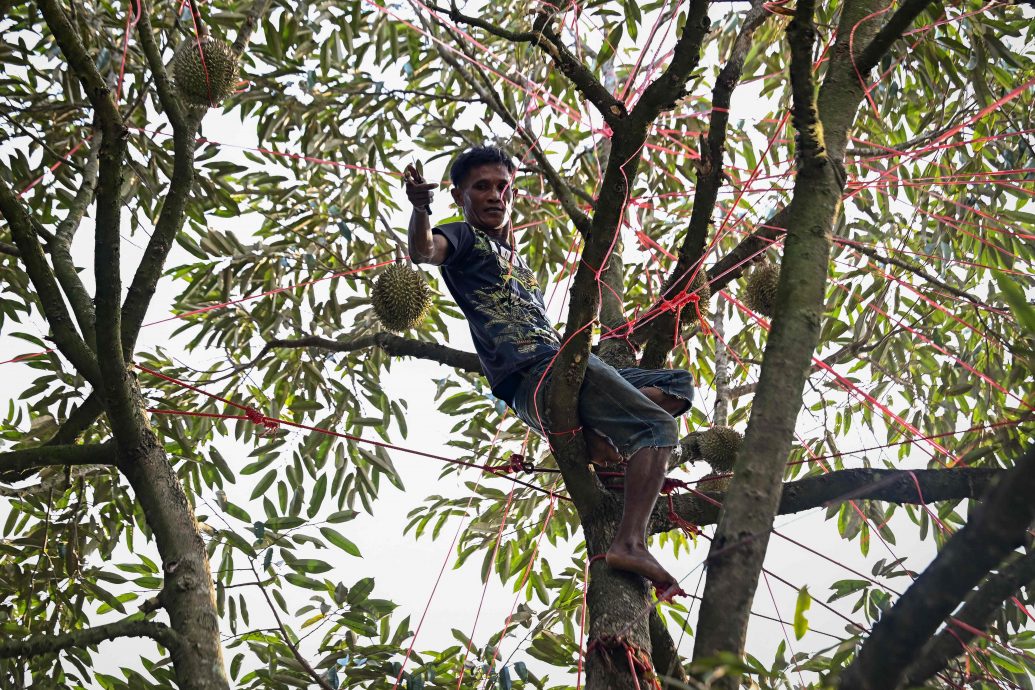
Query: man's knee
column 672, row 404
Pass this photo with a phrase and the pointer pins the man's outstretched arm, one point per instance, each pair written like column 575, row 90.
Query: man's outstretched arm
column 425, row 247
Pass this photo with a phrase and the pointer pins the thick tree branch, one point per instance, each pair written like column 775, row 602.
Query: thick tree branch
column 9, row 249
column 18, row 464
column 83, row 66
column 622, row 167
column 659, row 334
column 997, row 527
column 612, row 109
column 735, row 262
column 114, row 380
column 171, row 103
column 170, row 220
column 391, row 344
column 61, row 247
column 52, row 302
column 664, row 655
column 891, row 486
column 248, row 26
column 116, row 386
column 79, row 420
column 88, row 637
column 665, row 91
column 754, row 499
column 977, row 610
column 889, row 33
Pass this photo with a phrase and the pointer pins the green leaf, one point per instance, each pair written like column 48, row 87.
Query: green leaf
column 264, row 484
column 340, row 541
column 1022, row 310
column 801, row 623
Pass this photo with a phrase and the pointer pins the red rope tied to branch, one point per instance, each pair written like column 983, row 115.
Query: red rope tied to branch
column 271, row 425
column 689, row 529
column 637, row 658
column 677, row 303
column 518, row 463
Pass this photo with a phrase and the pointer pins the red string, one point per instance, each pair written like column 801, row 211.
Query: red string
column 445, row 561
column 485, row 588
column 252, row 415
column 132, row 17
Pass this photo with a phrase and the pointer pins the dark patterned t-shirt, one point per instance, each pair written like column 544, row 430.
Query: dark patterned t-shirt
column 500, row 296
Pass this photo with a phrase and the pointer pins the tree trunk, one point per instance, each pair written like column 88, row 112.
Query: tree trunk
column 187, row 595
column 619, row 605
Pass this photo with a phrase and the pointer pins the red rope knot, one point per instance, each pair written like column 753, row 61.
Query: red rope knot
column 638, row 659
column 677, row 303
column 269, row 424
column 519, row 463
column 690, row 529
column 670, row 485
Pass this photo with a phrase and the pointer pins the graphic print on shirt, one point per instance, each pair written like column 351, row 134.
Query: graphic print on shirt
column 516, row 324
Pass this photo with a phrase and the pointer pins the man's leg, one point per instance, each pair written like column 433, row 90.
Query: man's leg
column 644, row 476
column 669, row 403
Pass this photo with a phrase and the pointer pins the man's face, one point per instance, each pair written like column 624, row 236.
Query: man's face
column 486, row 197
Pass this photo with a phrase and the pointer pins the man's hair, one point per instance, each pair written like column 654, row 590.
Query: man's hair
column 478, row 156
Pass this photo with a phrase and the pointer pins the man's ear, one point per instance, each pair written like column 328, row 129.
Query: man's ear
column 458, row 196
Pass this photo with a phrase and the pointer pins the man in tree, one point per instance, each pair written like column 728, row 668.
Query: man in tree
column 628, row 414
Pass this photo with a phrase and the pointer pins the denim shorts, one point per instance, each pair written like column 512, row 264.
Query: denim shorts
column 611, row 404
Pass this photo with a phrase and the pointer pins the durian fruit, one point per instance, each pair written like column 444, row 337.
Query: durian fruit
column 699, row 286
column 715, row 483
column 401, row 297
column 204, row 83
column 760, row 291
column 719, row 446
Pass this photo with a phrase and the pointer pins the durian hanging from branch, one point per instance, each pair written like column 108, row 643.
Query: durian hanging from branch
column 401, row 297
column 760, row 291
column 719, row 446
column 205, row 71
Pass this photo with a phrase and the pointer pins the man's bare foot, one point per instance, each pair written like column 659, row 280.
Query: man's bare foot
column 636, row 559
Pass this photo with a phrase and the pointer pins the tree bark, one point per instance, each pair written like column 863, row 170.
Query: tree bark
column 918, row 487
column 975, row 614
column 741, row 540
column 187, row 594
column 997, row 527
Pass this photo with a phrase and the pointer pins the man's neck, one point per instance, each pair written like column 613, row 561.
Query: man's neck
column 501, row 235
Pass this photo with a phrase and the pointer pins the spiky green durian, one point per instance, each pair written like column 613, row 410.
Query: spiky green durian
column 719, row 446
column 205, row 72
column 760, row 291
column 715, row 483
column 401, row 297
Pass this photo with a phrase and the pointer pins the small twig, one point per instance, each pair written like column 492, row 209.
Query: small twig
column 319, row 680
column 39, row 142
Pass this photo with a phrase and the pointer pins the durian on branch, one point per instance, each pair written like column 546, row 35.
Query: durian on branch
column 205, row 71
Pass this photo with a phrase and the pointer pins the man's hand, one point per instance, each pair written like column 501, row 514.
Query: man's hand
column 418, row 191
